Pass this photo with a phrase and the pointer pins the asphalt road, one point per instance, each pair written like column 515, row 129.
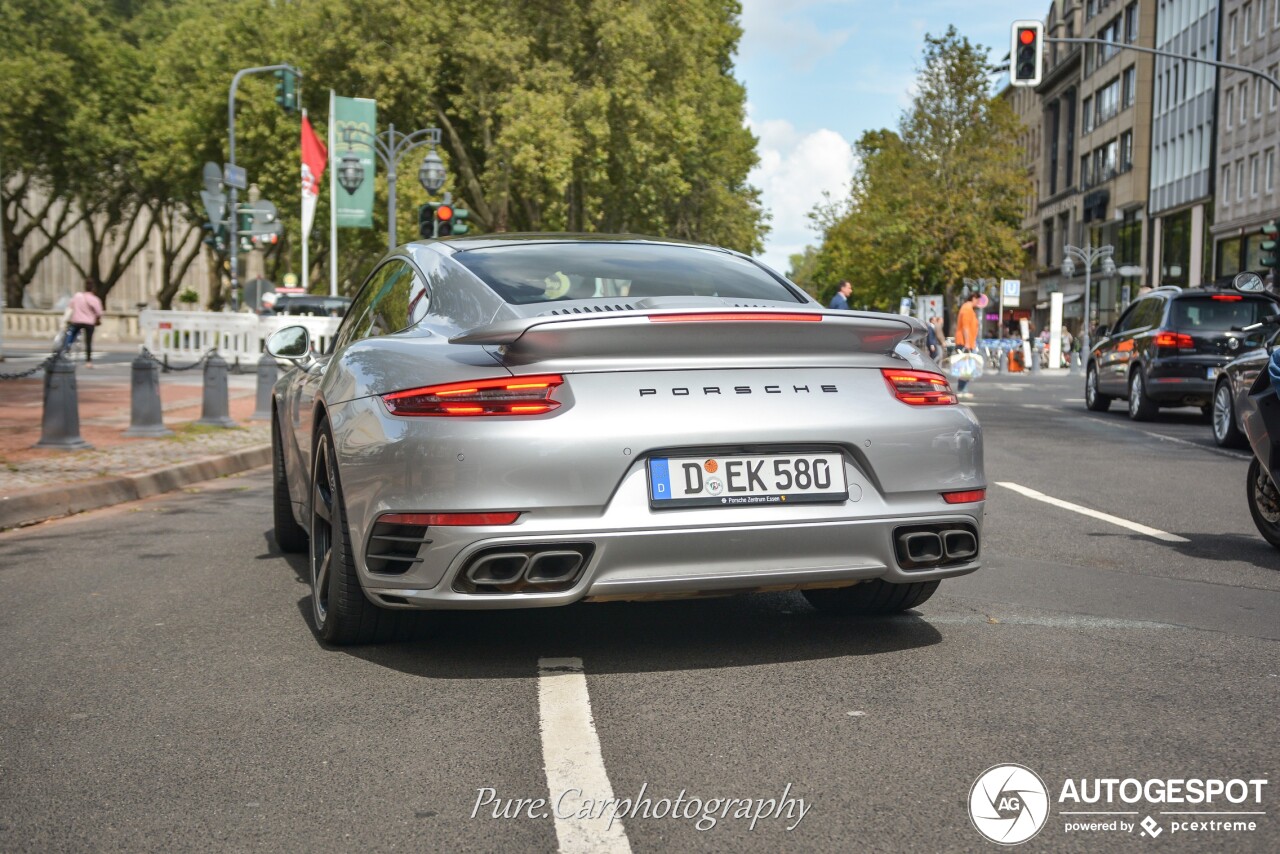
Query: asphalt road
column 162, row 689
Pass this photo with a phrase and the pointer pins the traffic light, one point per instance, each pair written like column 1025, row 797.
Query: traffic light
column 1270, row 235
column 460, row 216
column 286, row 90
column 427, row 221
column 444, row 220
column 244, row 229
column 1026, row 53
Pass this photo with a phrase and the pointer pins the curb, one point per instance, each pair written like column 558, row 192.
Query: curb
column 68, row 499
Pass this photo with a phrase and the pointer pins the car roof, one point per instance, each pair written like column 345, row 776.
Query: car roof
column 490, row 241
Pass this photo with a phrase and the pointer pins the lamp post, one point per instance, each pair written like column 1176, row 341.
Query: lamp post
column 391, row 146
column 1087, row 256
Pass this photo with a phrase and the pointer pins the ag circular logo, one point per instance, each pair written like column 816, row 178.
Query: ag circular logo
column 1008, row 804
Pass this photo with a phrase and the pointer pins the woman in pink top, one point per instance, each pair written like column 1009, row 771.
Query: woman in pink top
column 86, row 313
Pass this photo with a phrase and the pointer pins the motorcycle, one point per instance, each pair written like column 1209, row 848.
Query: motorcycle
column 1259, row 417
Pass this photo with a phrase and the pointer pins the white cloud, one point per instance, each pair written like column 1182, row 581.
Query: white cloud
column 795, row 169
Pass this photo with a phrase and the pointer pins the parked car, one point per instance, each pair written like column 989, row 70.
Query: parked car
column 528, row 421
column 1233, row 384
column 312, row 304
column 1169, row 347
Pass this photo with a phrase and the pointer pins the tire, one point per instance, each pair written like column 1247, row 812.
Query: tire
column 342, row 614
column 871, row 597
column 1223, row 418
column 1141, row 407
column 1264, row 503
column 1096, row 401
column 290, row 536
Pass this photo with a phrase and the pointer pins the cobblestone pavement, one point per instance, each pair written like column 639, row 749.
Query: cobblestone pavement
column 104, row 401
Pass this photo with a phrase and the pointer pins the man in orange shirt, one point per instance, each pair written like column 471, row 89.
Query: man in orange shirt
column 967, row 334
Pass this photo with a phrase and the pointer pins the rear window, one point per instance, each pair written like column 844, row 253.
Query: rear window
column 1218, row 313
column 550, row 272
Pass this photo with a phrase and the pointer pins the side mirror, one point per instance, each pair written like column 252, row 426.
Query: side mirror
column 291, row 342
column 1249, row 283
column 1101, row 331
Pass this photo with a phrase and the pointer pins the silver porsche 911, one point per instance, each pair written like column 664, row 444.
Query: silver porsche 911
column 532, row 420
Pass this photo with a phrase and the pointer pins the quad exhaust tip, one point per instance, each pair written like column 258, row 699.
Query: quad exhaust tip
column 532, row 568
column 943, row 544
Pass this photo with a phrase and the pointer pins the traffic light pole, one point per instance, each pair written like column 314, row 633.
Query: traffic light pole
column 390, row 148
column 1244, row 69
column 231, row 161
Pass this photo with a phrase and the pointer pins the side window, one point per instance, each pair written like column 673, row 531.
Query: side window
column 1125, row 323
column 1149, row 314
column 360, row 320
column 401, row 303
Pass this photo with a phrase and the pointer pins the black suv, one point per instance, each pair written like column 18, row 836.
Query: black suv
column 1168, row 348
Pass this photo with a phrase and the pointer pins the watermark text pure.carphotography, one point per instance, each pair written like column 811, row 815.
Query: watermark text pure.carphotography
column 705, row 813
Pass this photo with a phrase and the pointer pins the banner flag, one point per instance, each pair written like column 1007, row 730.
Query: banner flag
column 314, row 156
column 354, row 201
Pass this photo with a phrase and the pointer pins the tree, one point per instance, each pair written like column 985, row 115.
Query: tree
column 937, row 201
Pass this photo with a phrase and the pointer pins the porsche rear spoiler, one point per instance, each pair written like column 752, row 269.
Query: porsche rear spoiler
column 744, row 335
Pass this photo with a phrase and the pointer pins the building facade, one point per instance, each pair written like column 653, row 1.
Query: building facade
column 1182, row 134
column 1115, row 144
column 1248, row 135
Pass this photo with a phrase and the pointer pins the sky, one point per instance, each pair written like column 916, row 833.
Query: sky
column 818, row 74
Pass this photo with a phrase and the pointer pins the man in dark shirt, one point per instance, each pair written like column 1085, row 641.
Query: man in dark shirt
column 841, row 299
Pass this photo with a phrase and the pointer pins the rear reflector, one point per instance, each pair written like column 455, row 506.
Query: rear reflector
column 502, row 396
column 721, row 316
column 967, row 496
column 919, row 388
column 430, row 519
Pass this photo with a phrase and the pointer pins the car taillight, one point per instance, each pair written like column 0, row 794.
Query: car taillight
column 438, row 519
column 720, row 316
column 502, row 396
column 1177, row 340
column 965, row 496
column 919, row 388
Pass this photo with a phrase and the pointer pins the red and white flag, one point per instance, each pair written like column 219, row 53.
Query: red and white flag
column 314, row 157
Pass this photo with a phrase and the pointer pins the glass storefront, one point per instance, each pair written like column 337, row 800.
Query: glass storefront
column 1125, row 234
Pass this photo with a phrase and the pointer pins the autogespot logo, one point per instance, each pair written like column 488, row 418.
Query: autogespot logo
column 1008, row 804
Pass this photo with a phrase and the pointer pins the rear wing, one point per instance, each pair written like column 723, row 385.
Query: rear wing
column 746, row 336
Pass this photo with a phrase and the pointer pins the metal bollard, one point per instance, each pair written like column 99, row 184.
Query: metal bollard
column 216, row 409
column 1075, row 363
column 60, row 427
column 1035, row 360
column 268, row 370
column 1003, row 360
column 146, row 416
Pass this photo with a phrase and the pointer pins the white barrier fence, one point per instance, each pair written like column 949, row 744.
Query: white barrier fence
column 186, row 335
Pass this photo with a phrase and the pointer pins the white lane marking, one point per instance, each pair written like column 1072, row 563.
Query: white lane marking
column 1223, row 451
column 1065, row 622
column 1096, row 514
column 571, row 754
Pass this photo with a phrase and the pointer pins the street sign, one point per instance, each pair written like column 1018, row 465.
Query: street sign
column 235, row 176
column 929, row 306
column 212, row 175
column 215, row 206
column 1010, row 292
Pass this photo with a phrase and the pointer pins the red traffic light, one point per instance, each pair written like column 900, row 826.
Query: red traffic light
column 444, row 213
column 1026, row 36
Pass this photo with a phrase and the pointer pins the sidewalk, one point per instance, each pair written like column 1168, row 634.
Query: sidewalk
column 38, row 483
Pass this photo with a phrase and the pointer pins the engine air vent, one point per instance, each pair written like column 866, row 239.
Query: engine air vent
column 591, row 309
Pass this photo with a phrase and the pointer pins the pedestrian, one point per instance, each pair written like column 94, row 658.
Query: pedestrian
column 86, row 315
column 1066, row 346
column 935, row 337
column 841, row 299
column 967, row 335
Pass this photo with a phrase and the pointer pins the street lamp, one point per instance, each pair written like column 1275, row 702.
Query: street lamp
column 1087, row 256
column 390, row 146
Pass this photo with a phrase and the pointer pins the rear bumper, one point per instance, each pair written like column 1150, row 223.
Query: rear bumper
column 1185, row 390
column 679, row 562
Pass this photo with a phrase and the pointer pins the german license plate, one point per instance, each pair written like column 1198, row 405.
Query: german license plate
column 746, row 481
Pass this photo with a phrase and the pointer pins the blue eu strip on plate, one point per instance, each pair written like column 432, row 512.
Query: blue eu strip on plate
column 659, row 480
